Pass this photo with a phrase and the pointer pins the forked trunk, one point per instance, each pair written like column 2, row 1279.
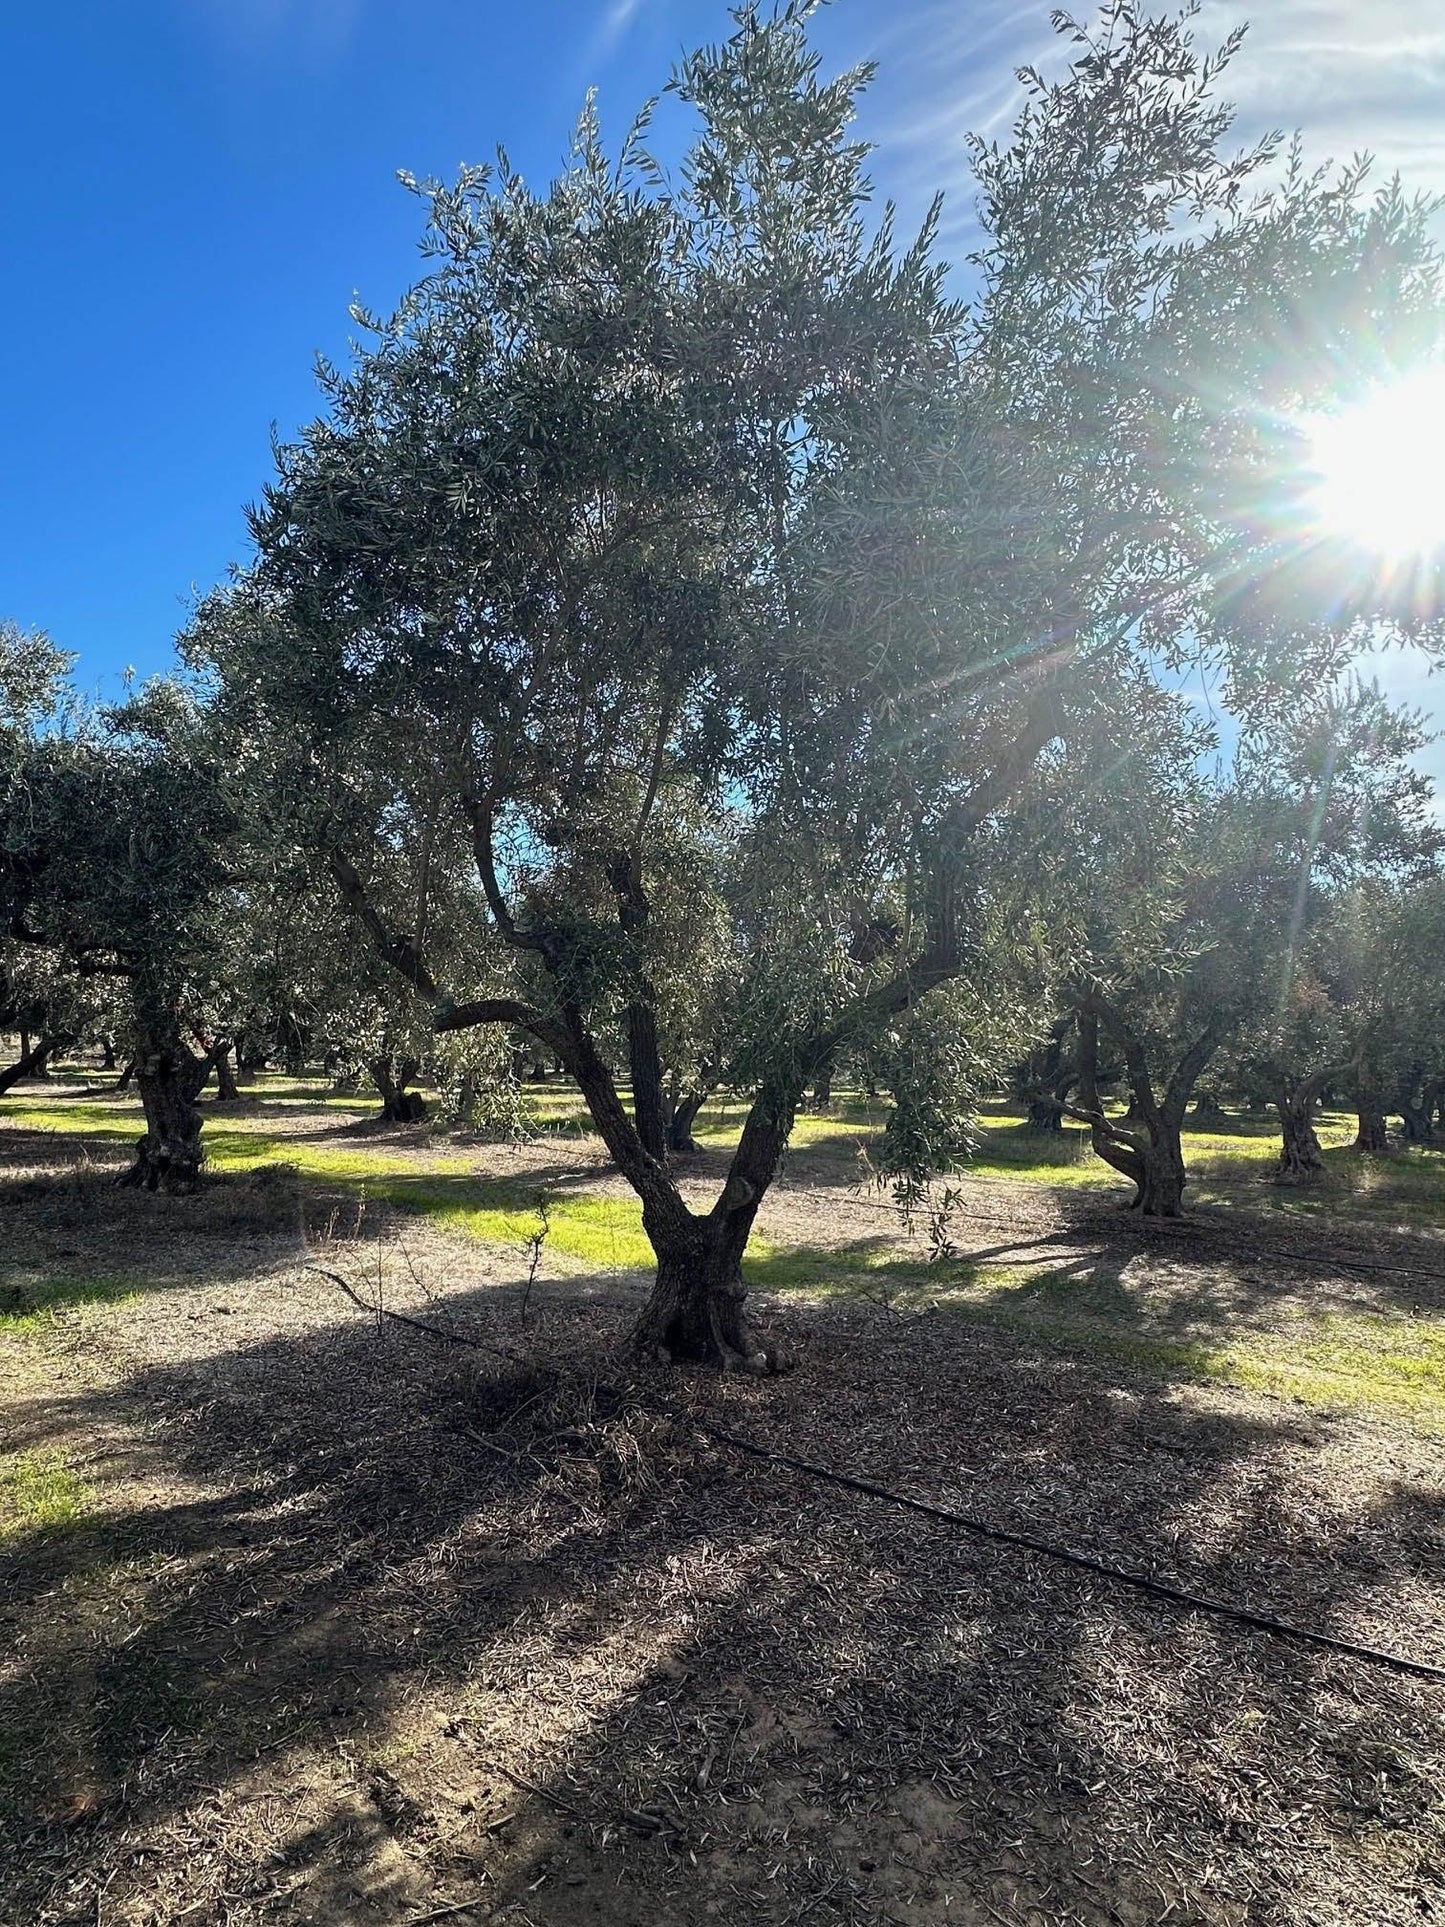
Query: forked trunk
column 696, row 1310
column 169, row 1156
column 398, row 1104
column 1152, row 1156
column 1162, row 1178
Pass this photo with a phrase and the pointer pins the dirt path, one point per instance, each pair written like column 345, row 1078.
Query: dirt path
column 357, row 1627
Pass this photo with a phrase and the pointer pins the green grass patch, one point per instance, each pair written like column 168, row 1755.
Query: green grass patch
column 84, row 1118
column 40, row 1492
column 1361, row 1361
column 31, row 1304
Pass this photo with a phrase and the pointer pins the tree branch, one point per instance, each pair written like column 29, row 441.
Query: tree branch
column 399, row 950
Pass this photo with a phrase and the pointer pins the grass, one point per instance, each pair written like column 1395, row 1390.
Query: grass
column 1361, row 1361
column 36, row 1302
column 40, row 1492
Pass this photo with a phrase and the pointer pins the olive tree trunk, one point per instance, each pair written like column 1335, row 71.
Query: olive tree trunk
column 696, row 1310
column 31, row 1062
column 680, row 1140
column 398, row 1104
column 169, row 1156
column 1301, row 1157
column 1416, row 1105
column 1152, row 1154
column 1370, row 1135
column 228, row 1091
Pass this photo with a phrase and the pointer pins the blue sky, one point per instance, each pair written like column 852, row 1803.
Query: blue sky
column 195, row 189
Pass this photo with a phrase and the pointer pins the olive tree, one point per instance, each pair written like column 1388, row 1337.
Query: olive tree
column 694, row 496
column 114, row 858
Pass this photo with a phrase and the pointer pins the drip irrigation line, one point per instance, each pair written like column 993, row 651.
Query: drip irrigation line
column 1083, row 1561
column 946, row 1515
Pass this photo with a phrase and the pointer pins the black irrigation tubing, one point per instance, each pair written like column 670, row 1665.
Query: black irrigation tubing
column 965, row 1522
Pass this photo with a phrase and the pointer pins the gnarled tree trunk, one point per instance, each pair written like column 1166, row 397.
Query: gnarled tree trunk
column 398, row 1104
column 1370, row 1133
column 680, row 1140
column 1045, row 1078
column 1152, row 1157
column 695, row 1311
column 1161, row 1193
column 169, row 1156
column 1301, row 1157
column 696, row 1307
column 1416, row 1105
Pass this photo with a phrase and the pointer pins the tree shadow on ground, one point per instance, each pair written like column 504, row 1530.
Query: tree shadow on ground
column 353, row 1582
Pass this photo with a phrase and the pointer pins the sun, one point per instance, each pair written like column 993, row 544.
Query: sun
column 1380, row 468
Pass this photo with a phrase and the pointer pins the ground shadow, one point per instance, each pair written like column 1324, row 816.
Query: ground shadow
column 357, row 1587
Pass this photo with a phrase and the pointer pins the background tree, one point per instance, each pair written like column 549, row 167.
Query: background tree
column 113, row 859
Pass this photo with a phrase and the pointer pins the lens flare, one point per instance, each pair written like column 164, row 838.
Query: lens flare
column 1380, row 466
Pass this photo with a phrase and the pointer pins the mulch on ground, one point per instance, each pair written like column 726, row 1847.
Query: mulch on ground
column 361, row 1627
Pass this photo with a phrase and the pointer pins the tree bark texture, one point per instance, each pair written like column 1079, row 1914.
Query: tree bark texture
column 1370, row 1135
column 228, row 1091
column 696, row 1310
column 169, row 1156
column 1044, row 1081
column 1152, row 1158
column 680, row 1140
column 1301, row 1158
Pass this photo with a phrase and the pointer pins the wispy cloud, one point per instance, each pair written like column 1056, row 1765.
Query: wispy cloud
column 312, row 28
column 1350, row 77
column 617, row 17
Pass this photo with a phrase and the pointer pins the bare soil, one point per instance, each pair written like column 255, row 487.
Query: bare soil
column 362, row 1628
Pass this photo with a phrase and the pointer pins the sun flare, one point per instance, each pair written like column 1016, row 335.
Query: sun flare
column 1381, row 468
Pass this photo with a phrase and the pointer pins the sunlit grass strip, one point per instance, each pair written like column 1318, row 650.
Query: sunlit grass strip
column 40, row 1492
column 1363, row 1361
